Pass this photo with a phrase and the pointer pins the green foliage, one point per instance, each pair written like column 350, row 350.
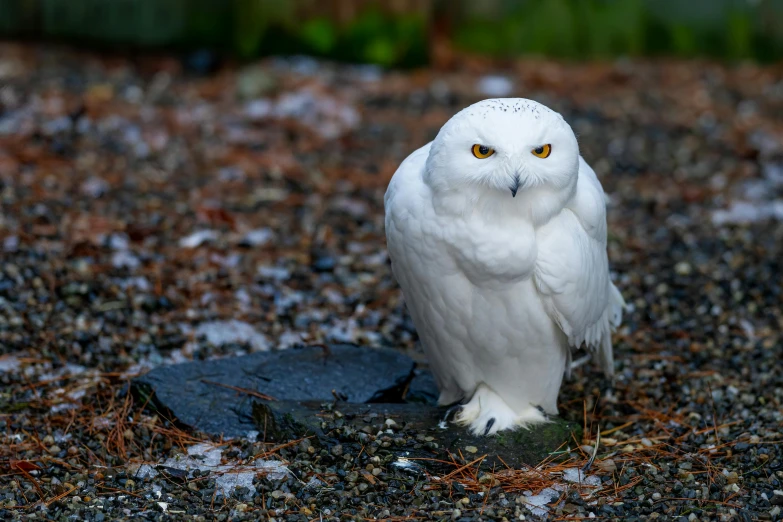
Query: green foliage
column 572, row 29
column 250, row 24
column 383, row 40
column 579, row 29
column 740, row 34
column 609, row 28
column 319, row 34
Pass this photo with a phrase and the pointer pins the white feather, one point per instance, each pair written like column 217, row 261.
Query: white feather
column 499, row 287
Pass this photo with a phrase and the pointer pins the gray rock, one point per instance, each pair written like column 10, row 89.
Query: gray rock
column 215, row 396
column 423, row 388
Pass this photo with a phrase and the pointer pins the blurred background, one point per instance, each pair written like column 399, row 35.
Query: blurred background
column 410, row 32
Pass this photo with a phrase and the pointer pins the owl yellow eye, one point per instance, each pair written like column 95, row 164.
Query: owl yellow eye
column 482, row 151
column 543, row 151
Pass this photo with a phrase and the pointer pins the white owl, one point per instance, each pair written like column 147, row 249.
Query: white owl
column 497, row 235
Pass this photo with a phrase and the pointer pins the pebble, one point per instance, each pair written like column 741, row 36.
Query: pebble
column 683, row 268
column 607, row 465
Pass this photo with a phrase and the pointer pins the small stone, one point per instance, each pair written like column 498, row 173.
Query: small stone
column 683, row 268
column 54, row 449
column 732, row 477
column 656, row 496
column 488, row 479
column 471, row 449
column 607, row 465
column 647, row 442
column 324, row 264
column 337, row 450
column 464, row 500
column 277, row 494
column 748, row 399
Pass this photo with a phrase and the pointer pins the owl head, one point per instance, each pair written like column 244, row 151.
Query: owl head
column 511, row 151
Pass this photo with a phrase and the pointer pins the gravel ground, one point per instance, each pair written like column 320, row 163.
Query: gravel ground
column 144, row 205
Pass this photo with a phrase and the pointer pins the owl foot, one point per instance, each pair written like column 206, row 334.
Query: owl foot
column 447, row 417
column 486, row 414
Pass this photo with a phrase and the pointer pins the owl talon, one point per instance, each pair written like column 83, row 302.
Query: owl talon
column 450, row 414
column 490, row 423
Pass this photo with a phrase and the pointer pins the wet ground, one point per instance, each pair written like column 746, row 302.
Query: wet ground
column 144, row 206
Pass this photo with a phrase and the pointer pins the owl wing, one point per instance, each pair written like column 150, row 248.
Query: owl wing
column 419, row 263
column 572, row 271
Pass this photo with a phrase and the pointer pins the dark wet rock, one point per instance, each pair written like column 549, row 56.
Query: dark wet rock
column 194, row 392
column 423, row 388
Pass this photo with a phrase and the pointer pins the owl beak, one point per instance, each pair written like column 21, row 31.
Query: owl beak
column 515, row 186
